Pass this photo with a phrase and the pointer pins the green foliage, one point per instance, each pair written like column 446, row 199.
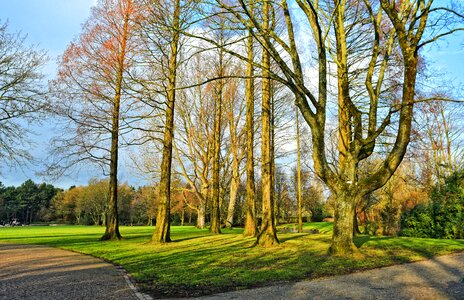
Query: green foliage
column 318, row 214
column 418, row 222
column 443, row 217
column 28, row 203
column 197, row 261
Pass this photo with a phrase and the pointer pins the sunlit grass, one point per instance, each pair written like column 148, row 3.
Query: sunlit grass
column 197, row 260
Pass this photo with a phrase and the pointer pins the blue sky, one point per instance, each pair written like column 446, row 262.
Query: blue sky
column 52, row 24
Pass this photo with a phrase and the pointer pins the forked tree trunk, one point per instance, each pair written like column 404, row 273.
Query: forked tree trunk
column 162, row 230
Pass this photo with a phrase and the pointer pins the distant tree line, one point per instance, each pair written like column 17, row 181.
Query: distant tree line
column 28, row 203
column 32, row 203
column 402, row 207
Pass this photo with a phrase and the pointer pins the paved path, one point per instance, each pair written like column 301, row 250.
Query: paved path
column 438, row 278
column 37, row 272
column 44, row 273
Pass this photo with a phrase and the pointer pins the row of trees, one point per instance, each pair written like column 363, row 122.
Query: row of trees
column 27, row 203
column 142, row 71
column 32, row 203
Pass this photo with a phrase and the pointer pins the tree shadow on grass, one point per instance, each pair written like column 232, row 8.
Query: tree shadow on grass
column 359, row 241
column 292, row 237
column 174, row 240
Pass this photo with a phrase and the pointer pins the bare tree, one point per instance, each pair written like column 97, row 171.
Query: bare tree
column 374, row 45
column 162, row 35
column 195, row 138
column 21, row 95
column 438, row 139
column 234, row 112
column 93, row 94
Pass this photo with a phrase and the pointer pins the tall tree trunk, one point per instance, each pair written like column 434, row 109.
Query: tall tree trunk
column 345, row 202
column 267, row 236
column 182, row 217
column 250, row 221
column 275, row 198
column 112, row 218
column 233, row 192
column 201, row 219
column 235, row 181
column 298, row 172
column 162, row 230
column 219, row 90
column 215, row 195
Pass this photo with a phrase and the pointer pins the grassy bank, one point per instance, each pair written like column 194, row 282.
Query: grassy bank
column 197, row 262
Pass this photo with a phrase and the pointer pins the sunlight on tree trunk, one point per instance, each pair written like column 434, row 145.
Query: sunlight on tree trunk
column 250, row 221
column 298, row 163
column 267, row 235
column 162, row 230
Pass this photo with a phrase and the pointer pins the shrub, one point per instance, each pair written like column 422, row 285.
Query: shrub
column 443, row 217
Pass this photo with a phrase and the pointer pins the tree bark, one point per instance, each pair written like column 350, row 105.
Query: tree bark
column 275, row 198
column 162, row 230
column 342, row 239
column 233, row 193
column 201, row 220
column 112, row 218
column 219, row 94
column 236, row 157
column 298, row 189
column 250, row 221
column 215, row 195
column 267, row 236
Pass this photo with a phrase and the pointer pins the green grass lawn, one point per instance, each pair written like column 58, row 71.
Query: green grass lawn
column 198, row 262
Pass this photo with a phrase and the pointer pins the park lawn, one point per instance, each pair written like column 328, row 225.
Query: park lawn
column 198, row 263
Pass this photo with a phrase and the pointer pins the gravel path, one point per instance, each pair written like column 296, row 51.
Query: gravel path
column 439, row 278
column 36, row 272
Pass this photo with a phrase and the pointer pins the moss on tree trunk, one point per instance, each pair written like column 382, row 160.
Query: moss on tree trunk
column 342, row 239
